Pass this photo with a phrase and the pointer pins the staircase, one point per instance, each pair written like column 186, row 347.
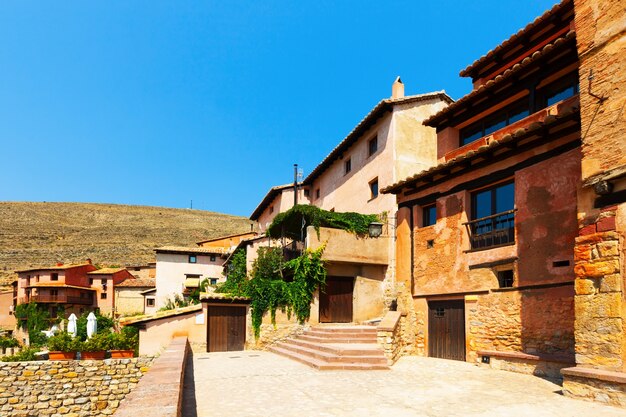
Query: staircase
column 335, row 347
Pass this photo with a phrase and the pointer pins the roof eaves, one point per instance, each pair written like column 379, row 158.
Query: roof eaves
column 467, row 72
column 452, row 163
column 269, row 197
column 369, row 120
column 494, row 83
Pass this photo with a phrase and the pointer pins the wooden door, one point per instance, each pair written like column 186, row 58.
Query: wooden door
column 446, row 329
column 226, row 328
column 336, row 300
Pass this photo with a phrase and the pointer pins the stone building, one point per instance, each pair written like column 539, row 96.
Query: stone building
column 600, row 250
column 484, row 251
column 389, row 143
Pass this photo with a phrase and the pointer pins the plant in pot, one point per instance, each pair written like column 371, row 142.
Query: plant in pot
column 123, row 345
column 95, row 347
column 62, row 346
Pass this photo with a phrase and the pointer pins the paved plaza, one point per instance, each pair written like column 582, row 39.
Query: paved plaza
column 255, row 383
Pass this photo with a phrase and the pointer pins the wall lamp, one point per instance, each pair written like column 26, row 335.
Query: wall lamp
column 375, row 229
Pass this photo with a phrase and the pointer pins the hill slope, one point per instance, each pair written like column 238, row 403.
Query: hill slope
column 41, row 234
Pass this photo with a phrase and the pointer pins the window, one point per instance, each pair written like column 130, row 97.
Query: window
column 558, row 91
column 213, row 281
column 372, row 146
column 496, row 122
column 505, row 278
column 149, row 302
column 317, row 193
column 347, row 166
column 374, row 189
column 103, row 296
column 103, row 281
column 429, row 215
column 37, row 278
column 193, row 259
column 306, row 192
column 271, row 209
column 54, row 277
column 90, row 281
column 54, row 293
column 212, row 258
column 493, row 217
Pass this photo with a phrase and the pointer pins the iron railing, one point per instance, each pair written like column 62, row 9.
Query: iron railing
column 492, row 231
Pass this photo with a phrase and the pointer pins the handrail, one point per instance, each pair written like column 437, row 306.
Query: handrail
column 490, row 217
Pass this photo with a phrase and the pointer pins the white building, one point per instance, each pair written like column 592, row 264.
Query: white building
column 181, row 269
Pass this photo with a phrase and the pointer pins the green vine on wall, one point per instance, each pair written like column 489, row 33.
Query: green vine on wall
column 34, row 318
column 290, row 222
column 267, row 288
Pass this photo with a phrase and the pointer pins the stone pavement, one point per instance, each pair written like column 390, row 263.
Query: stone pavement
column 253, row 383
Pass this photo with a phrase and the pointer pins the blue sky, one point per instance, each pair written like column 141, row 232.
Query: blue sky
column 163, row 102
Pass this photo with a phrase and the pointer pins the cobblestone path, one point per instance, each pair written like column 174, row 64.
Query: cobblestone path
column 264, row 384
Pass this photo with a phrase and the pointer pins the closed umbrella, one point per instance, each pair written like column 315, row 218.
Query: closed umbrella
column 92, row 325
column 71, row 325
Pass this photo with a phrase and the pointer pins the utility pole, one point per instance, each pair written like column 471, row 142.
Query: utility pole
column 295, row 184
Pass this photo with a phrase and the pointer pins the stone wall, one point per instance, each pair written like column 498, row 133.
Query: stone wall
column 507, row 321
column 68, row 388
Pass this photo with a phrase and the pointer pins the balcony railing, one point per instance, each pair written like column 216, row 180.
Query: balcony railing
column 492, row 231
column 61, row 298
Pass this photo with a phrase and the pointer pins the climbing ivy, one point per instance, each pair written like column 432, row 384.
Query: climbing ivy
column 236, row 275
column 291, row 222
column 34, row 318
column 269, row 290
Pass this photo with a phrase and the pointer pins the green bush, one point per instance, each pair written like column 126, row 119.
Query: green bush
column 27, row 354
column 123, row 341
column 63, row 342
column 97, row 342
column 8, row 342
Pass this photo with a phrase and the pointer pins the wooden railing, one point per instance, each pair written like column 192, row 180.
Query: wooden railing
column 61, row 298
column 492, row 231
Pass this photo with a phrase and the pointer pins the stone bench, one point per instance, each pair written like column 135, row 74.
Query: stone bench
column 542, row 364
column 159, row 392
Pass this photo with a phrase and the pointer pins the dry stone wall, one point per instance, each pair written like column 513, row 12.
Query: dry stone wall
column 67, row 388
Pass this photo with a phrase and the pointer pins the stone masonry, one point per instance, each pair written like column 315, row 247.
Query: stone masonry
column 67, row 388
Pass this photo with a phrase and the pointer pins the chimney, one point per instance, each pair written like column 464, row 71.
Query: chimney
column 397, row 89
column 89, row 261
column 59, row 263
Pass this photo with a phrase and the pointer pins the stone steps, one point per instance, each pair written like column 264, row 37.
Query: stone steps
column 335, row 348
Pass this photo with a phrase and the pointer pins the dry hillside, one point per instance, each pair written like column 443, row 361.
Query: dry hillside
column 40, row 234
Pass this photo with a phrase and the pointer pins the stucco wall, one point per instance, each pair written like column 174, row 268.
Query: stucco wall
column 158, row 333
column 7, row 321
column 171, row 270
column 129, row 301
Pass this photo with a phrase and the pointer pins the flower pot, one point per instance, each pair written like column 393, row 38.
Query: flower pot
column 122, row 353
column 92, row 355
column 55, row 355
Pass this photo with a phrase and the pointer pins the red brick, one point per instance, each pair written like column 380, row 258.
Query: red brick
column 587, row 230
column 605, row 224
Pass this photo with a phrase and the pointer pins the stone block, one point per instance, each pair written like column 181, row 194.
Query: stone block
column 606, row 224
column 585, row 286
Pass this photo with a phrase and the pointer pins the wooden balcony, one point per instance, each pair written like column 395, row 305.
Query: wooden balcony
column 58, row 299
column 492, row 231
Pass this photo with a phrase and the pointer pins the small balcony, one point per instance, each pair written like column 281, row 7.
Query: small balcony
column 492, row 231
column 59, row 299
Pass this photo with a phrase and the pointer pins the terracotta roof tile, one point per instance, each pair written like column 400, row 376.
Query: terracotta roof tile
column 54, row 267
column 106, row 271
column 208, row 296
column 192, row 250
column 498, row 80
column 509, row 137
column 514, row 38
column 137, row 283
column 160, row 314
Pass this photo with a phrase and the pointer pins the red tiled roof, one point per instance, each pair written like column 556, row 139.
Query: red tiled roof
column 137, row 283
column 507, row 75
column 515, row 39
column 106, row 271
column 267, row 200
column 55, row 285
column 55, row 267
column 193, row 250
column 499, row 141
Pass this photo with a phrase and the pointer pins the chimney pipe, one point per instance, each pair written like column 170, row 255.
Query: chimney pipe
column 397, row 88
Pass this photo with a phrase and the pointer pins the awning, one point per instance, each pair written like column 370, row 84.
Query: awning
column 192, row 282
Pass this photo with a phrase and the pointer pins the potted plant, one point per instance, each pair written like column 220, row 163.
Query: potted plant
column 95, row 347
column 123, row 345
column 62, row 346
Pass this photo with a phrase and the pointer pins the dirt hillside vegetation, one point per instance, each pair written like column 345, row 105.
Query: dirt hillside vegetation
column 42, row 234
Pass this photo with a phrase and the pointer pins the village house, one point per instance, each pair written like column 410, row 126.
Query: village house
column 388, row 144
column 104, row 281
column 484, row 253
column 230, row 242
column 135, row 296
column 181, row 270
column 65, row 285
column 142, row 271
